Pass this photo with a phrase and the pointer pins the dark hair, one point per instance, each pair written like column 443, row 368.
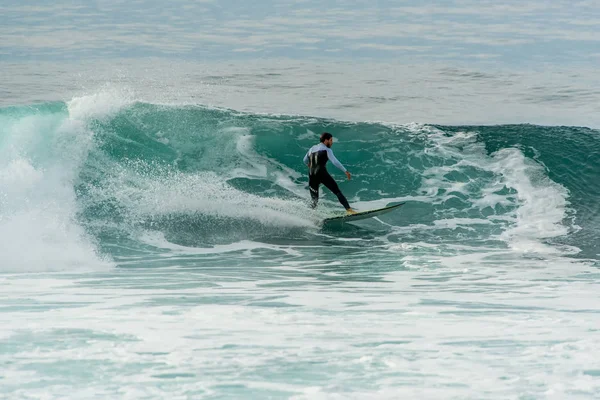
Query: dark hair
column 326, row 136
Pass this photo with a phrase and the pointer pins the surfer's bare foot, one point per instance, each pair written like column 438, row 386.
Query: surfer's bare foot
column 350, row 211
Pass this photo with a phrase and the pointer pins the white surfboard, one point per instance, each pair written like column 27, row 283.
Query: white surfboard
column 363, row 214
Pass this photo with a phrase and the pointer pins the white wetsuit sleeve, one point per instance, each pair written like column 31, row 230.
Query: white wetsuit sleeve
column 306, row 157
column 334, row 160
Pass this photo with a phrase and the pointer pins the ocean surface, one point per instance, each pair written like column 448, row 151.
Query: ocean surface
column 156, row 240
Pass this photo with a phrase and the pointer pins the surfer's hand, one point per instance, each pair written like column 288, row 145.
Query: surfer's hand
column 349, row 175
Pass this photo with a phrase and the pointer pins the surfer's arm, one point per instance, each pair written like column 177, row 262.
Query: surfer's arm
column 334, row 160
column 306, row 159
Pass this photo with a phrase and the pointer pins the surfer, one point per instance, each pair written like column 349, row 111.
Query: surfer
column 315, row 159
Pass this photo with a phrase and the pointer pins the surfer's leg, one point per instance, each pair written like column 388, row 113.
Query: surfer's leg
column 313, row 187
column 330, row 184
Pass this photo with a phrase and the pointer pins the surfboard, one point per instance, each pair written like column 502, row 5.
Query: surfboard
column 363, row 214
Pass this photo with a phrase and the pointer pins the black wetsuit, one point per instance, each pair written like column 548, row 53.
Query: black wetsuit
column 316, row 159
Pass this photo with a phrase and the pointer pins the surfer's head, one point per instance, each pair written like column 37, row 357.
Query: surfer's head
column 327, row 139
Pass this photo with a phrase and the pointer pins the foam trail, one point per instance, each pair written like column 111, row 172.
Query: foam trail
column 167, row 192
column 542, row 202
column 540, row 205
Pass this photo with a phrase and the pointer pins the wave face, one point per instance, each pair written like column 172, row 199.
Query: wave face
column 104, row 176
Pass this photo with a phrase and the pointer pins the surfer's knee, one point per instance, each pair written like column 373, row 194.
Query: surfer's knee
column 335, row 189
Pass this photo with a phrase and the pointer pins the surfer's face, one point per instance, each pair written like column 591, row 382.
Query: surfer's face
column 328, row 142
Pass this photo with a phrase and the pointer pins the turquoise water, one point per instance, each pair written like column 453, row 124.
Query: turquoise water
column 154, row 251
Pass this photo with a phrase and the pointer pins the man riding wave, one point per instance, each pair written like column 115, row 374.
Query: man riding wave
column 316, row 159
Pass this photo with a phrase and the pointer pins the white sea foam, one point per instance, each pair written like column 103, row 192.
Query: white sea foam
column 40, row 159
column 540, row 204
column 102, row 103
